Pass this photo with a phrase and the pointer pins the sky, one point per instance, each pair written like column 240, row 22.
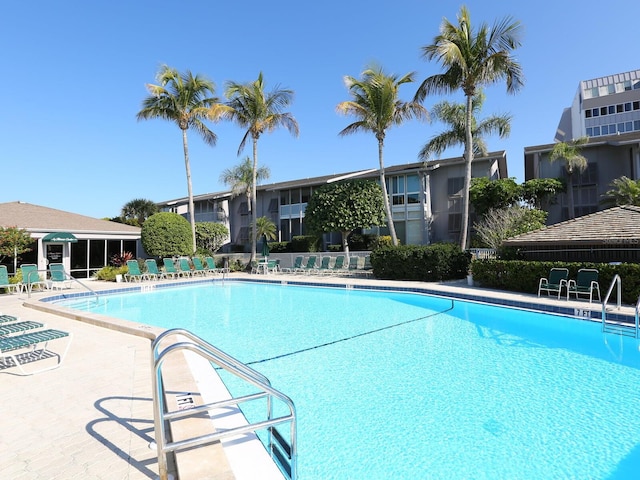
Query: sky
column 74, row 75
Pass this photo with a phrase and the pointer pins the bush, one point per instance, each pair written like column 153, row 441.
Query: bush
column 108, row 273
column 166, row 234
column 279, row 247
column 430, row 263
column 306, row 243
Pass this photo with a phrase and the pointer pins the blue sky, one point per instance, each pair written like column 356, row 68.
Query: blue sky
column 74, row 76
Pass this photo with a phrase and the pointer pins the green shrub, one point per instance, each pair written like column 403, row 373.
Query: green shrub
column 430, row 263
column 279, row 247
column 166, row 234
column 306, row 243
column 108, row 273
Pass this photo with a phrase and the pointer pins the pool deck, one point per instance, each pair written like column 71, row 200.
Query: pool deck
column 92, row 418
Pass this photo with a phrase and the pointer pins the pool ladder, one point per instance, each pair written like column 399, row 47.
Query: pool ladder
column 283, row 452
column 618, row 327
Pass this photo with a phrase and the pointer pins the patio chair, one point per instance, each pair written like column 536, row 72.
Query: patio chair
column 170, row 268
column 323, row 267
column 556, row 281
column 211, row 263
column 153, row 270
column 199, row 268
column 58, row 278
column 31, row 277
column 353, row 267
column 134, row 273
column 184, row 267
column 29, row 345
column 309, row 266
column 297, row 264
column 338, row 266
column 6, row 283
column 585, row 284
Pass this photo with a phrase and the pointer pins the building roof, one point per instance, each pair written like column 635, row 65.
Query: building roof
column 38, row 218
column 615, row 140
column 614, row 226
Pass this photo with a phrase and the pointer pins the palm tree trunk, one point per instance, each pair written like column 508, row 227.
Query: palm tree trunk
column 468, row 158
column 572, row 211
column 187, row 166
column 387, row 206
column 254, row 224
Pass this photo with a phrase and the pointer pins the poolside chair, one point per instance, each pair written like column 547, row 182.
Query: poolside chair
column 323, row 268
column 353, row 267
column 273, row 266
column 134, row 274
column 184, row 267
column 212, row 266
column 31, row 344
column 153, row 271
column 297, row 264
column 586, row 284
column 338, row 266
column 6, row 283
column 31, row 277
column 170, row 268
column 58, row 278
column 199, row 268
column 556, row 281
column 309, row 266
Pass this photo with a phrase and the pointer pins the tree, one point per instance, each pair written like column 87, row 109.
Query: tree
column 376, row 105
column 265, row 227
column 259, row 112
column 624, row 191
column 166, row 234
column 540, row 192
column 486, row 194
column 187, row 100
column 472, row 59
column 574, row 162
column 14, row 241
column 454, row 115
column 344, row 206
column 240, row 179
column 210, row 236
column 498, row 224
column 138, row 210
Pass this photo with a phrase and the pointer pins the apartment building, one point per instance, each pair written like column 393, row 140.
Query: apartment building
column 426, row 200
column 607, row 110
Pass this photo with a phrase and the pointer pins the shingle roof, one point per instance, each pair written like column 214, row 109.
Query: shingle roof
column 36, row 217
column 616, row 225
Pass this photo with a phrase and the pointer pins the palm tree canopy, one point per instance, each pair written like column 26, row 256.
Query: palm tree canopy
column 473, row 58
column 625, row 191
column 240, row 177
column 570, row 153
column 184, row 99
column 375, row 102
column 455, row 116
column 139, row 209
column 259, row 111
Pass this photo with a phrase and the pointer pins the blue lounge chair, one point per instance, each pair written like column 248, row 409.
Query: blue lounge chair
column 31, row 277
column 58, row 277
column 153, row 270
column 134, row 272
column 585, row 284
column 6, row 283
column 556, row 281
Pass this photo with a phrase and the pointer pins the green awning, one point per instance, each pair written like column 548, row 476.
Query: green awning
column 60, row 237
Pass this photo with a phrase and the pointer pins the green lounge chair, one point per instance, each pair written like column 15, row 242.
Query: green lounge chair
column 153, row 270
column 6, row 283
column 18, row 327
column 556, row 281
column 309, row 267
column 353, row 266
column 585, row 284
column 297, row 264
column 212, row 266
column 58, row 277
column 184, row 267
column 31, row 346
column 323, row 268
column 198, row 267
column 31, row 277
column 134, row 272
column 170, row 268
column 338, row 266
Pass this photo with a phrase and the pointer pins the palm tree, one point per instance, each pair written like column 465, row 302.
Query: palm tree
column 266, row 227
column 574, row 161
column 376, row 106
column 454, row 115
column 259, row 112
column 472, row 59
column 625, row 191
column 187, row 100
column 240, row 179
column 138, row 210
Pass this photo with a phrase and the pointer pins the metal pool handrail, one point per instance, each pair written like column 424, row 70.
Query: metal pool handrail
column 637, row 317
column 283, row 452
column 615, row 282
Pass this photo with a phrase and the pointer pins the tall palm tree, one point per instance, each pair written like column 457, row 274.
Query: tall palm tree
column 187, row 100
column 574, row 162
column 376, row 105
column 624, row 191
column 240, row 179
column 472, row 59
column 259, row 112
column 139, row 210
column 455, row 116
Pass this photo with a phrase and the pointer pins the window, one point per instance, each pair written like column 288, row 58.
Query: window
column 627, row 107
column 397, row 190
column 587, row 113
column 611, row 109
column 589, row 132
column 619, row 108
column 595, row 112
column 621, row 127
column 627, row 85
column 596, row 131
column 611, row 89
column 603, row 110
column 636, row 105
column 413, row 189
column 594, row 92
column 455, row 186
column 636, row 124
column 605, row 130
column 628, row 126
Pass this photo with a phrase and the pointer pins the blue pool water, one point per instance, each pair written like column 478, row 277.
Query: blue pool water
column 405, row 386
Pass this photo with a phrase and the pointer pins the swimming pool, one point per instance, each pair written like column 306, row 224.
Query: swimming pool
column 398, row 385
